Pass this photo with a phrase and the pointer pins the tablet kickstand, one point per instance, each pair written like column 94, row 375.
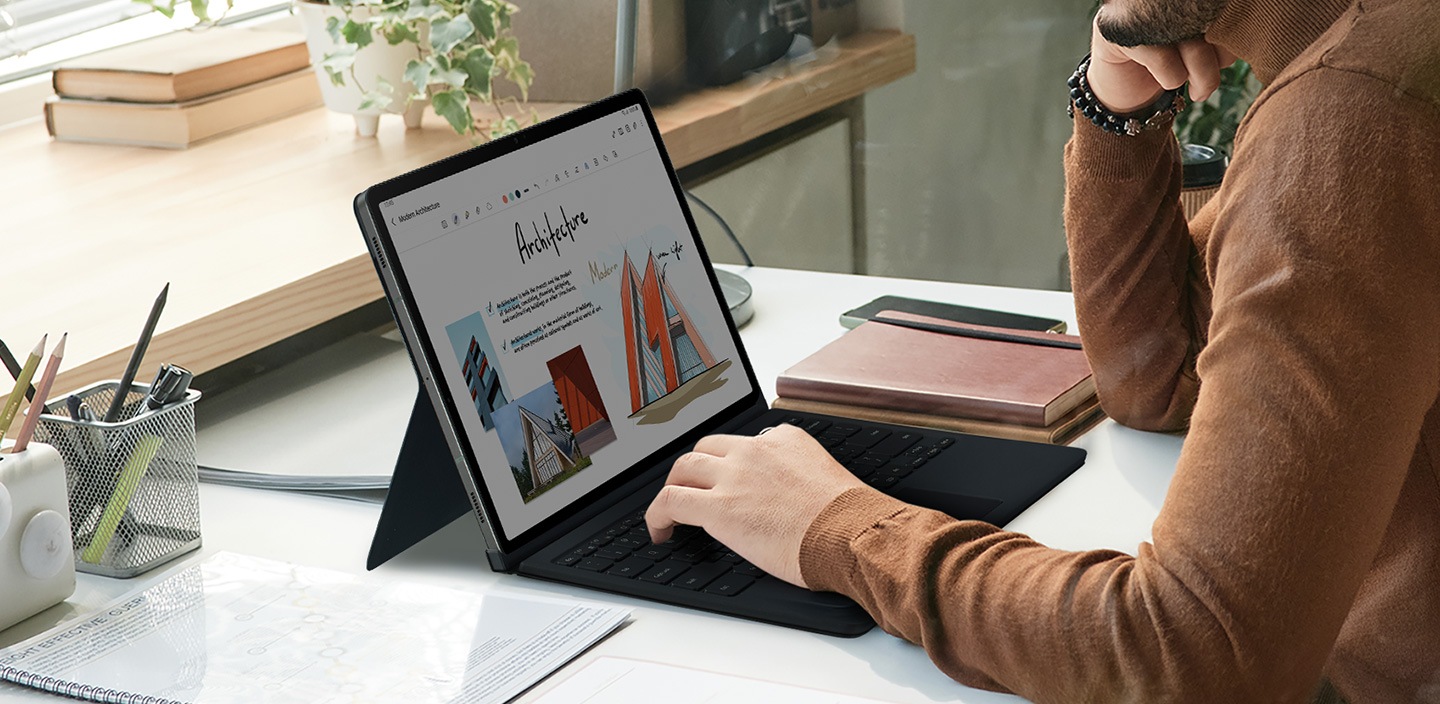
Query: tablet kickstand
column 425, row 493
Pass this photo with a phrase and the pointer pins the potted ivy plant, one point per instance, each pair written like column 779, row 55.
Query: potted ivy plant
column 378, row 56
column 397, row 56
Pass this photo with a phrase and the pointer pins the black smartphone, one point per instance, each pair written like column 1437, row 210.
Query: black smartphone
column 950, row 311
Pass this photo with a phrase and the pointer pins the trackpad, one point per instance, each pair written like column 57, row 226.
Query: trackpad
column 961, row 506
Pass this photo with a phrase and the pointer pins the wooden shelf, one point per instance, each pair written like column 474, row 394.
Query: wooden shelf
column 255, row 230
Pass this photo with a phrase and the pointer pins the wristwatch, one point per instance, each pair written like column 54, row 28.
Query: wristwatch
column 1151, row 117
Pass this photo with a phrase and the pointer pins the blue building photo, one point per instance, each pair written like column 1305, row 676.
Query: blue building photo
column 479, row 366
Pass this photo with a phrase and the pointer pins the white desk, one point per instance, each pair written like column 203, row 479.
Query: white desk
column 365, row 388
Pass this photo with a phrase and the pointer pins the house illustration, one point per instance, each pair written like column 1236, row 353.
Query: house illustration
column 663, row 348
column 550, row 449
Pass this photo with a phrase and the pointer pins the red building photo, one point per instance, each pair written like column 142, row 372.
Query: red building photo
column 663, row 348
column 580, row 397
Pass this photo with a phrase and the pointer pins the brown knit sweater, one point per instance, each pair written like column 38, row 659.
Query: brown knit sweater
column 1294, row 328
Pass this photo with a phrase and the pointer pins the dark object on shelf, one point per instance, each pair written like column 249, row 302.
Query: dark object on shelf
column 726, row 38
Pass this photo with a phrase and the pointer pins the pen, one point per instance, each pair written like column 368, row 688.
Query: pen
column 169, row 386
column 7, row 414
column 136, row 355
column 14, row 368
column 1049, row 339
column 37, row 407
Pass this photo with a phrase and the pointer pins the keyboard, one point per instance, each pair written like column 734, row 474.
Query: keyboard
column 693, row 560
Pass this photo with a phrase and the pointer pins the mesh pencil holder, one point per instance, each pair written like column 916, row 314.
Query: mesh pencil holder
column 134, row 490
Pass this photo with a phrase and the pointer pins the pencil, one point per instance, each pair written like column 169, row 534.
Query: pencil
column 136, row 355
column 42, row 391
column 14, row 368
column 7, row 414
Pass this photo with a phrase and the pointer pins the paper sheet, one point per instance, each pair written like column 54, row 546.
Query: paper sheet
column 238, row 628
column 610, row 680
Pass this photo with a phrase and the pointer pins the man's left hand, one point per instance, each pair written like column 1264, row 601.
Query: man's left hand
column 757, row 495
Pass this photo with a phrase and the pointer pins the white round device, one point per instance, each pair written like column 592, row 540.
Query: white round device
column 45, row 545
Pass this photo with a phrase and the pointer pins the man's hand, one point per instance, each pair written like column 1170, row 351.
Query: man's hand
column 1126, row 79
column 757, row 495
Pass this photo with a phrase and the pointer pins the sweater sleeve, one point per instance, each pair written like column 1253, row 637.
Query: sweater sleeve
column 1321, row 364
column 1132, row 269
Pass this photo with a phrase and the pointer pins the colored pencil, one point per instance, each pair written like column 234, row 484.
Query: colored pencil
column 14, row 368
column 7, row 414
column 42, row 392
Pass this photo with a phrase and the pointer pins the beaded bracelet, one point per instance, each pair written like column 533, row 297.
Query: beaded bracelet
column 1151, row 117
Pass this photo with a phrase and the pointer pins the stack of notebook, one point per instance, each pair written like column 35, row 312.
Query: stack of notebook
column 913, row 370
column 177, row 89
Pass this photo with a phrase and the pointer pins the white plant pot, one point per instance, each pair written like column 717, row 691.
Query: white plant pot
column 377, row 60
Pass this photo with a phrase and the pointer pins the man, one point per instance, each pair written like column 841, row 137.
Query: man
column 1293, row 327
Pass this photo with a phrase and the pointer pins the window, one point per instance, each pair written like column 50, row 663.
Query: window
column 35, row 35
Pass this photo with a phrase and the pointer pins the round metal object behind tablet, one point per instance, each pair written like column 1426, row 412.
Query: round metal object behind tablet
column 737, row 295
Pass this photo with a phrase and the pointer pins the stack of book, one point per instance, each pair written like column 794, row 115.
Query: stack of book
column 178, row 89
column 914, row 370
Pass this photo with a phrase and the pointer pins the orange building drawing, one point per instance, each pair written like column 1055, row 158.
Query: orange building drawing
column 578, row 392
column 663, row 348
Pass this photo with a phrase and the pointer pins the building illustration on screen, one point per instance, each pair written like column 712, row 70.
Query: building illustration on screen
column 580, row 397
column 663, row 348
column 538, row 438
column 480, row 366
column 483, row 380
column 551, row 451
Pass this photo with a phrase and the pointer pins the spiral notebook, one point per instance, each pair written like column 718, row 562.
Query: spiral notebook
column 238, row 628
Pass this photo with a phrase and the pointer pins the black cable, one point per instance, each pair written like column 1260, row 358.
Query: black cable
column 723, row 225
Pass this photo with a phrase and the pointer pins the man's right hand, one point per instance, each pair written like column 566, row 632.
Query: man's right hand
column 1126, row 79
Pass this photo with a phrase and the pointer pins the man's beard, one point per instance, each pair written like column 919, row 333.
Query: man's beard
column 1156, row 22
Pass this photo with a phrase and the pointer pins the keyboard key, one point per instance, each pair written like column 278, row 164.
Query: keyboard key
column 626, row 542
column 895, row 444
column 568, row 559
column 932, row 452
column 916, row 463
column 731, row 557
column 595, row 564
column 845, row 430
column 598, row 541
column 664, row 572
column 730, row 584
column 898, row 471
column 869, row 460
column 883, row 482
column 815, row 427
column 654, row 552
column 829, row 441
column 610, row 553
column 748, row 570
column 946, row 442
column 868, row 437
column 699, row 551
column 700, row 575
column 583, row 551
column 631, row 567
column 796, row 421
